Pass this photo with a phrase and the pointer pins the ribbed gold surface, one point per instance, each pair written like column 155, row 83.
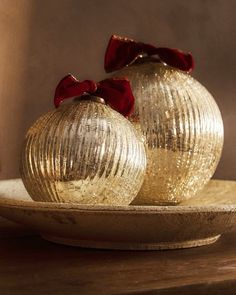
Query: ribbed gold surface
column 83, row 152
column 183, row 130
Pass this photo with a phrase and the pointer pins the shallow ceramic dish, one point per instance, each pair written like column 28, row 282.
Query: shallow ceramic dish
column 196, row 222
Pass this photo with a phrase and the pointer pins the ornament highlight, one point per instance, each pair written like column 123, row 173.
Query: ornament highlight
column 84, row 151
column 179, row 119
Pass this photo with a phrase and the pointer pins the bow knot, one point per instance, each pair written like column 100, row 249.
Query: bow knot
column 116, row 92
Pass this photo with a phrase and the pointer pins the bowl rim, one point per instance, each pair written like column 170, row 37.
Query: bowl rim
column 128, row 209
column 7, row 202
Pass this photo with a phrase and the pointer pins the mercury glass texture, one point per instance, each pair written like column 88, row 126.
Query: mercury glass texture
column 182, row 128
column 83, row 152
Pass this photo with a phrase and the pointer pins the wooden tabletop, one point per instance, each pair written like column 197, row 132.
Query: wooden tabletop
column 29, row 265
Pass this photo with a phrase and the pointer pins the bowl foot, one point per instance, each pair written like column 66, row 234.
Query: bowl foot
column 129, row 245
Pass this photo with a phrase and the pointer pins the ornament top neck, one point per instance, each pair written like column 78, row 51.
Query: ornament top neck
column 141, row 59
column 90, row 98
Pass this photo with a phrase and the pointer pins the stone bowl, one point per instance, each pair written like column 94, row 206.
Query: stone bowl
column 196, row 222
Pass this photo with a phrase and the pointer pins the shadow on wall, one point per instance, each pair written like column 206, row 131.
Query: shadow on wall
column 44, row 40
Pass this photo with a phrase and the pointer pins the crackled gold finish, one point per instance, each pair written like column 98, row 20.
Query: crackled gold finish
column 83, row 152
column 182, row 128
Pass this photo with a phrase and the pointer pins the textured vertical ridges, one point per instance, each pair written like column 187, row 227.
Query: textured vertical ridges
column 183, row 130
column 83, row 152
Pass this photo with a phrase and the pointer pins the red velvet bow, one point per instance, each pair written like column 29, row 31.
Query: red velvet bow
column 123, row 51
column 116, row 92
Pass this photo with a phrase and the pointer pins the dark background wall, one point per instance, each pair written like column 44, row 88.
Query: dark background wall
column 42, row 40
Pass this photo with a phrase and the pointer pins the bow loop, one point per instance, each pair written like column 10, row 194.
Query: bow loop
column 69, row 86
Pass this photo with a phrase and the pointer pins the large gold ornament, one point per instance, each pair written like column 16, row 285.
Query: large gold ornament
column 83, row 152
column 182, row 127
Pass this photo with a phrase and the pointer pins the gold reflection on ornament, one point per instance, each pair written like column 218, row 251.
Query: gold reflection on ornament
column 83, row 152
column 182, row 128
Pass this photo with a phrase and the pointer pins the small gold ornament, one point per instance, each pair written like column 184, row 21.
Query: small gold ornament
column 182, row 127
column 83, row 152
